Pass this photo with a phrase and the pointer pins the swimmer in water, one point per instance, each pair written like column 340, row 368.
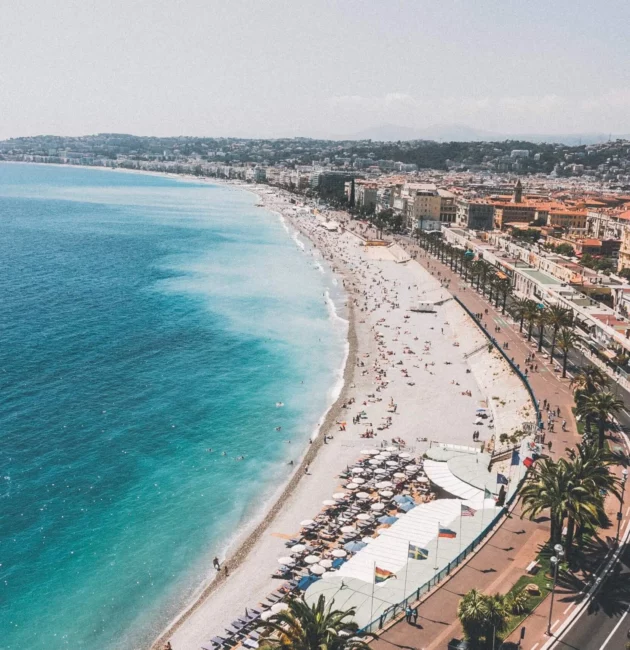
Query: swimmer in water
column 278, row 428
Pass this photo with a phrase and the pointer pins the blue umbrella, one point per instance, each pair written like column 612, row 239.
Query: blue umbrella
column 353, row 547
column 406, row 507
column 399, row 498
column 387, row 519
column 306, row 582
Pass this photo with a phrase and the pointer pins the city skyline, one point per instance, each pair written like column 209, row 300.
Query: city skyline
column 313, row 69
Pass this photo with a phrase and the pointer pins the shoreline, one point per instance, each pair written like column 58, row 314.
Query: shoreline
column 285, row 491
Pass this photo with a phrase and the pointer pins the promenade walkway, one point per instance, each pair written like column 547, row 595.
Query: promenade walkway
column 505, row 556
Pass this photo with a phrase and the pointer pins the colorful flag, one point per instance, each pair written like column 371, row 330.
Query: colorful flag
column 516, row 458
column 487, row 494
column 528, row 462
column 447, row 533
column 502, row 479
column 467, row 511
column 417, row 552
column 380, row 575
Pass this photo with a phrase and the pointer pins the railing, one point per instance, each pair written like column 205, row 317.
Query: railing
column 392, row 612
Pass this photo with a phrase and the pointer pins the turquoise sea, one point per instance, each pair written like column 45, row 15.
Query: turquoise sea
column 143, row 321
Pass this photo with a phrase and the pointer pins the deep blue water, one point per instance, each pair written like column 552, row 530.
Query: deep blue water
column 143, row 321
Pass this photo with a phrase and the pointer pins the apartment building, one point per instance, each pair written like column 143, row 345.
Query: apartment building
column 476, row 214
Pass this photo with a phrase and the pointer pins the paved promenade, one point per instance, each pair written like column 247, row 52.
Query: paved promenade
column 503, row 559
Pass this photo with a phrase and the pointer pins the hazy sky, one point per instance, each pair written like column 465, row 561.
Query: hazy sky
column 312, row 67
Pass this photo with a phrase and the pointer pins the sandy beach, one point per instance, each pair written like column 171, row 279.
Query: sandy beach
column 443, row 371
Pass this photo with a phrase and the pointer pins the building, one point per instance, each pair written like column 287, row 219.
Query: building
column 475, row 214
column 513, row 211
column 448, row 206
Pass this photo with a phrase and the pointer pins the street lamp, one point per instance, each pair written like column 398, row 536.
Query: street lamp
column 624, row 478
column 555, row 560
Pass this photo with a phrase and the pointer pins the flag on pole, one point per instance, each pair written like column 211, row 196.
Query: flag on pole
column 447, row 533
column 487, row 494
column 417, row 552
column 380, row 575
column 467, row 511
column 528, row 462
column 502, row 479
column 516, row 458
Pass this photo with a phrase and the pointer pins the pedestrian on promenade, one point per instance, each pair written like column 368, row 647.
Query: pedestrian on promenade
column 408, row 614
column 414, row 616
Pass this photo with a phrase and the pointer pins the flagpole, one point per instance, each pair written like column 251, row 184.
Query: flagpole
column 437, row 545
column 373, row 584
column 406, row 570
column 461, row 518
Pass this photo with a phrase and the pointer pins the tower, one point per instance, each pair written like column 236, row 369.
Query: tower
column 517, row 197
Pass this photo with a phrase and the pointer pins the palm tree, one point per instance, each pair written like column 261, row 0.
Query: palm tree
column 316, row 627
column 546, row 490
column 482, row 616
column 588, row 380
column 557, row 317
column 519, row 310
column 504, row 287
column 531, row 314
column 600, row 407
column 567, row 339
column 589, row 467
column 542, row 321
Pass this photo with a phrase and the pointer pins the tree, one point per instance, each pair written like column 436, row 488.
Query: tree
column 519, row 310
column 600, row 407
column 315, row 627
column 545, row 490
column 482, row 616
column 542, row 321
column 589, row 468
column 588, row 380
column 382, row 220
column 504, row 287
column 567, row 339
column 557, row 317
column 531, row 315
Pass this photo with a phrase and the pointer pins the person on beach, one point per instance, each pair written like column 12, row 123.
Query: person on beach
column 216, row 564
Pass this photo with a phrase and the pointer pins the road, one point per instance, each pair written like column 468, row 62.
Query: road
column 605, row 623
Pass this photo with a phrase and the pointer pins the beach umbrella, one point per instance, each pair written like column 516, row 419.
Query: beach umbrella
column 354, row 547
column 407, row 506
column 298, row 548
column 391, row 463
column 362, row 495
column 387, row 519
column 374, row 462
column 351, row 486
column 423, row 479
column 373, row 452
column 312, row 559
column 391, row 448
column 339, row 552
column 380, row 472
column 265, row 616
column 380, row 457
column 377, row 506
column 329, row 502
column 384, row 484
column 367, row 540
column 404, row 454
column 386, row 493
column 306, row 523
column 367, row 452
column 357, row 470
column 286, row 561
column 399, row 498
column 385, row 454
column 359, row 481
column 327, row 564
column 305, row 583
column 279, row 607
column 411, row 468
column 363, row 516
column 339, row 496
column 348, row 529
column 317, row 570
column 400, row 475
